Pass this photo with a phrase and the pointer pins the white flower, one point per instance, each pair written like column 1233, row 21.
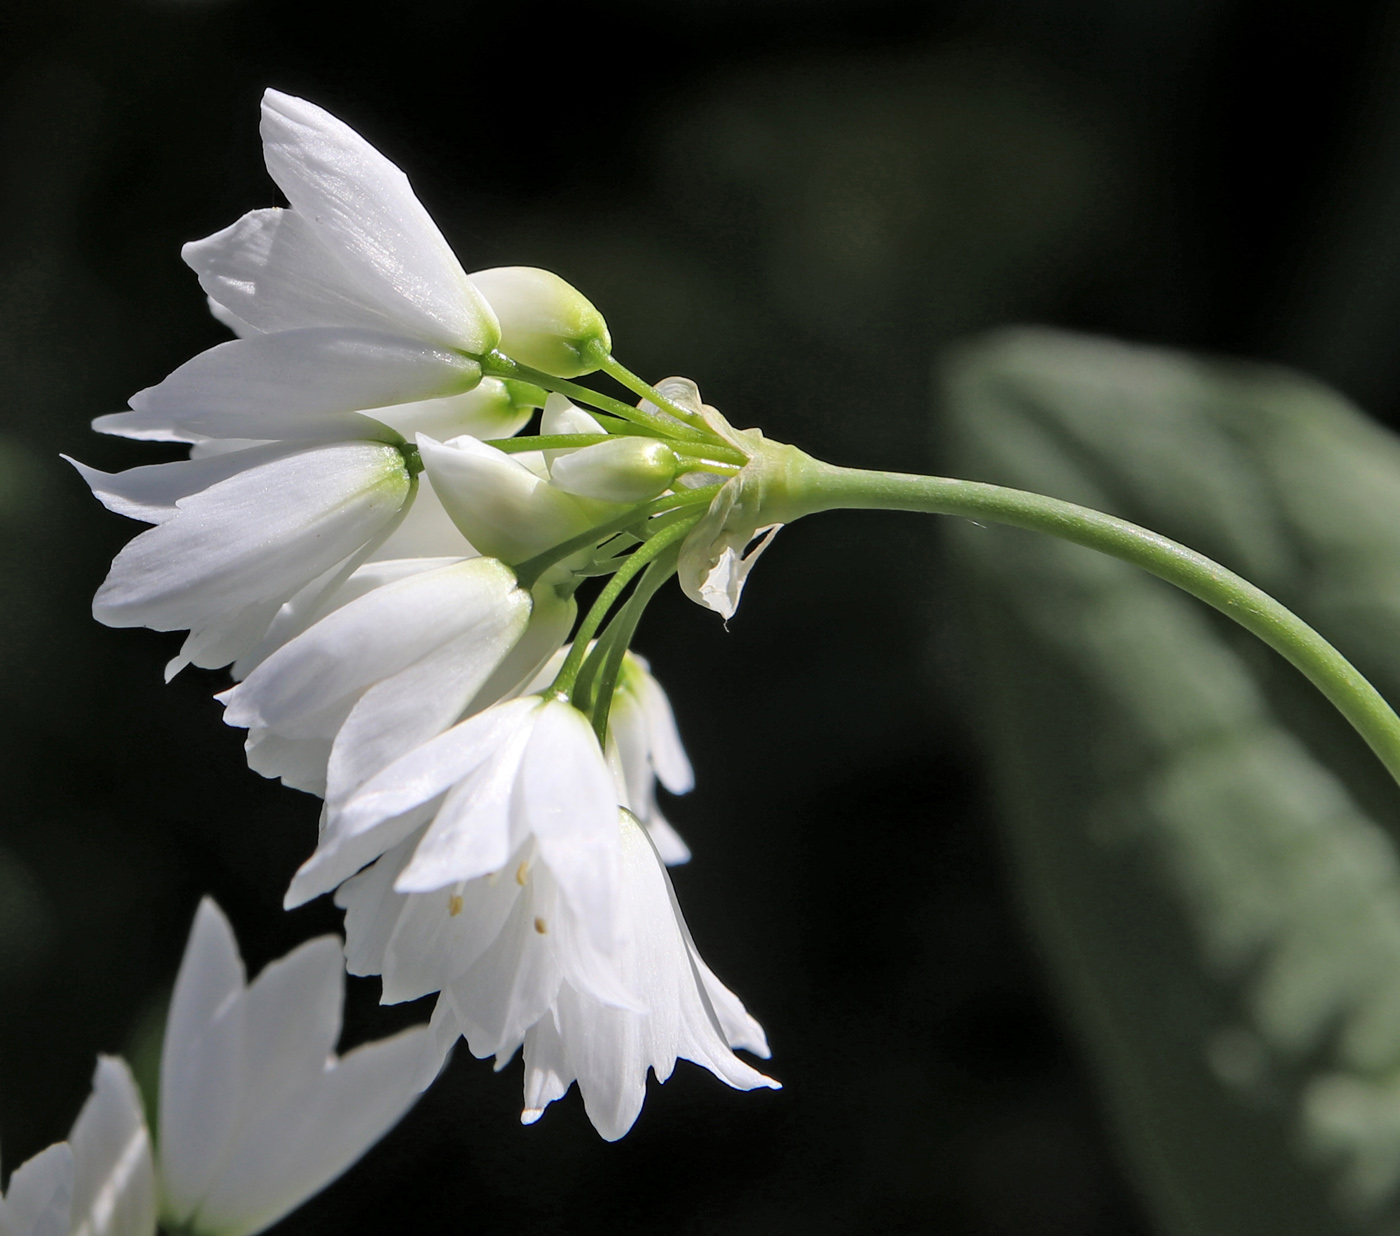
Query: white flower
column 407, row 651
column 516, row 966
column 524, row 768
column 257, row 1113
column 239, row 534
column 643, row 727
column 101, row 1182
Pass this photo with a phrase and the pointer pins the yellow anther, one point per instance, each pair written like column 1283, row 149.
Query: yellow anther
column 454, row 904
column 539, row 926
column 522, row 872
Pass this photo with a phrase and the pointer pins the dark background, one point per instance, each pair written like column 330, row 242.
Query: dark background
column 796, row 204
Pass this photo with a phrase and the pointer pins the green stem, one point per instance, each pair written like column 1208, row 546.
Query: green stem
column 529, row 571
column 502, row 366
column 568, row 672
column 619, row 372
column 618, row 638
column 815, row 486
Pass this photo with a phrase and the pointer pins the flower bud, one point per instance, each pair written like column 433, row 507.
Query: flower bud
column 545, row 323
column 622, row 470
column 500, row 505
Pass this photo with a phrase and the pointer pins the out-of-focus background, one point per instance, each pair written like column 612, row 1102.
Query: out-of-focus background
column 799, row 204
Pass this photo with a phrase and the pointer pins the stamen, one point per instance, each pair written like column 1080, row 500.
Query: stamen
column 539, row 926
column 454, row 904
column 522, row 872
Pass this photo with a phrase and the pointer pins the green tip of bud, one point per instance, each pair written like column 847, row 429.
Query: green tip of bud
column 546, row 323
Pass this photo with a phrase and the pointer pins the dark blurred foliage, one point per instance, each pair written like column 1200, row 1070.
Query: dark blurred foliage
column 795, row 203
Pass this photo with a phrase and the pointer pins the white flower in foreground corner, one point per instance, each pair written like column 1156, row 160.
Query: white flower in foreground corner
column 257, row 1113
column 101, row 1181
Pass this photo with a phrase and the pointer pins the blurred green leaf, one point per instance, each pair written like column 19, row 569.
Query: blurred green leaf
column 1206, row 855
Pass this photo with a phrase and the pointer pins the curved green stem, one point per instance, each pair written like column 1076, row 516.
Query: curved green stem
column 529, row 571
column 501, row 366
column 816, row 486
column 568, row 672
column 623, row 376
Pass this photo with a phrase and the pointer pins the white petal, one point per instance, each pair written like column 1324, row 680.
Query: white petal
column 670, row 845
column 271, row 271
column 570, row 805
column 41, row 1195
column 418, row 703
column 547, row 1072
column 366, row 213
column 544, row 322
column 222, row 636
column 427, row 531
column 511, row 985
column 375, row 636
column 436, row 766
column 560, row 416
column 114, row 1185
column 303, row 384
column 236, row 324
column 321, row 596
column 315, row 1133
column 202, row 1074
column 258, row 536
column 500, row 506
column 668, row 755
column 438, row 936
column 150, row 493
column 299, row 763
column 471, row 833
column 372, row 909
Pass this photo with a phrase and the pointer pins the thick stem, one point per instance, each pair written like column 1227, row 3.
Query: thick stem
column 816, row 486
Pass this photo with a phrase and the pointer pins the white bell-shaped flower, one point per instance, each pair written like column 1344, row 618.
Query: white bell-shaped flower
column 101, row 1181
column 545, row 322
column 599, row 1019
column 387, row 670
column 221, row 561
column 257, row 1112
column 524, row 768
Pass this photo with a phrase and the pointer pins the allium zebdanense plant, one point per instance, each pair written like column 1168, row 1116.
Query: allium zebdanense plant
column 393, row 571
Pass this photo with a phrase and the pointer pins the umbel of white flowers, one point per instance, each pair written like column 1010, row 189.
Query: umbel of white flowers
column 257, row 1113
column 391, row 571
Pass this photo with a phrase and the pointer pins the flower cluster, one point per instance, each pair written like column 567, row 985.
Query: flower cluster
column 391, row 571
column 247, row 1133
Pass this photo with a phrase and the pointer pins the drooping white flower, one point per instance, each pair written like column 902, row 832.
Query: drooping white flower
column 257, row 1113
column 391, row 666
column 101, row 1181
column 224, row 557
column 516, row 967
column 524, row 768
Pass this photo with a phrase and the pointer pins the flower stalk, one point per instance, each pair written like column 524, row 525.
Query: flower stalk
column 813, row 486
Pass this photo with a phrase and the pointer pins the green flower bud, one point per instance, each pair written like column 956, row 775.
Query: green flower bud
column 623, row 470
column 545, row 323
